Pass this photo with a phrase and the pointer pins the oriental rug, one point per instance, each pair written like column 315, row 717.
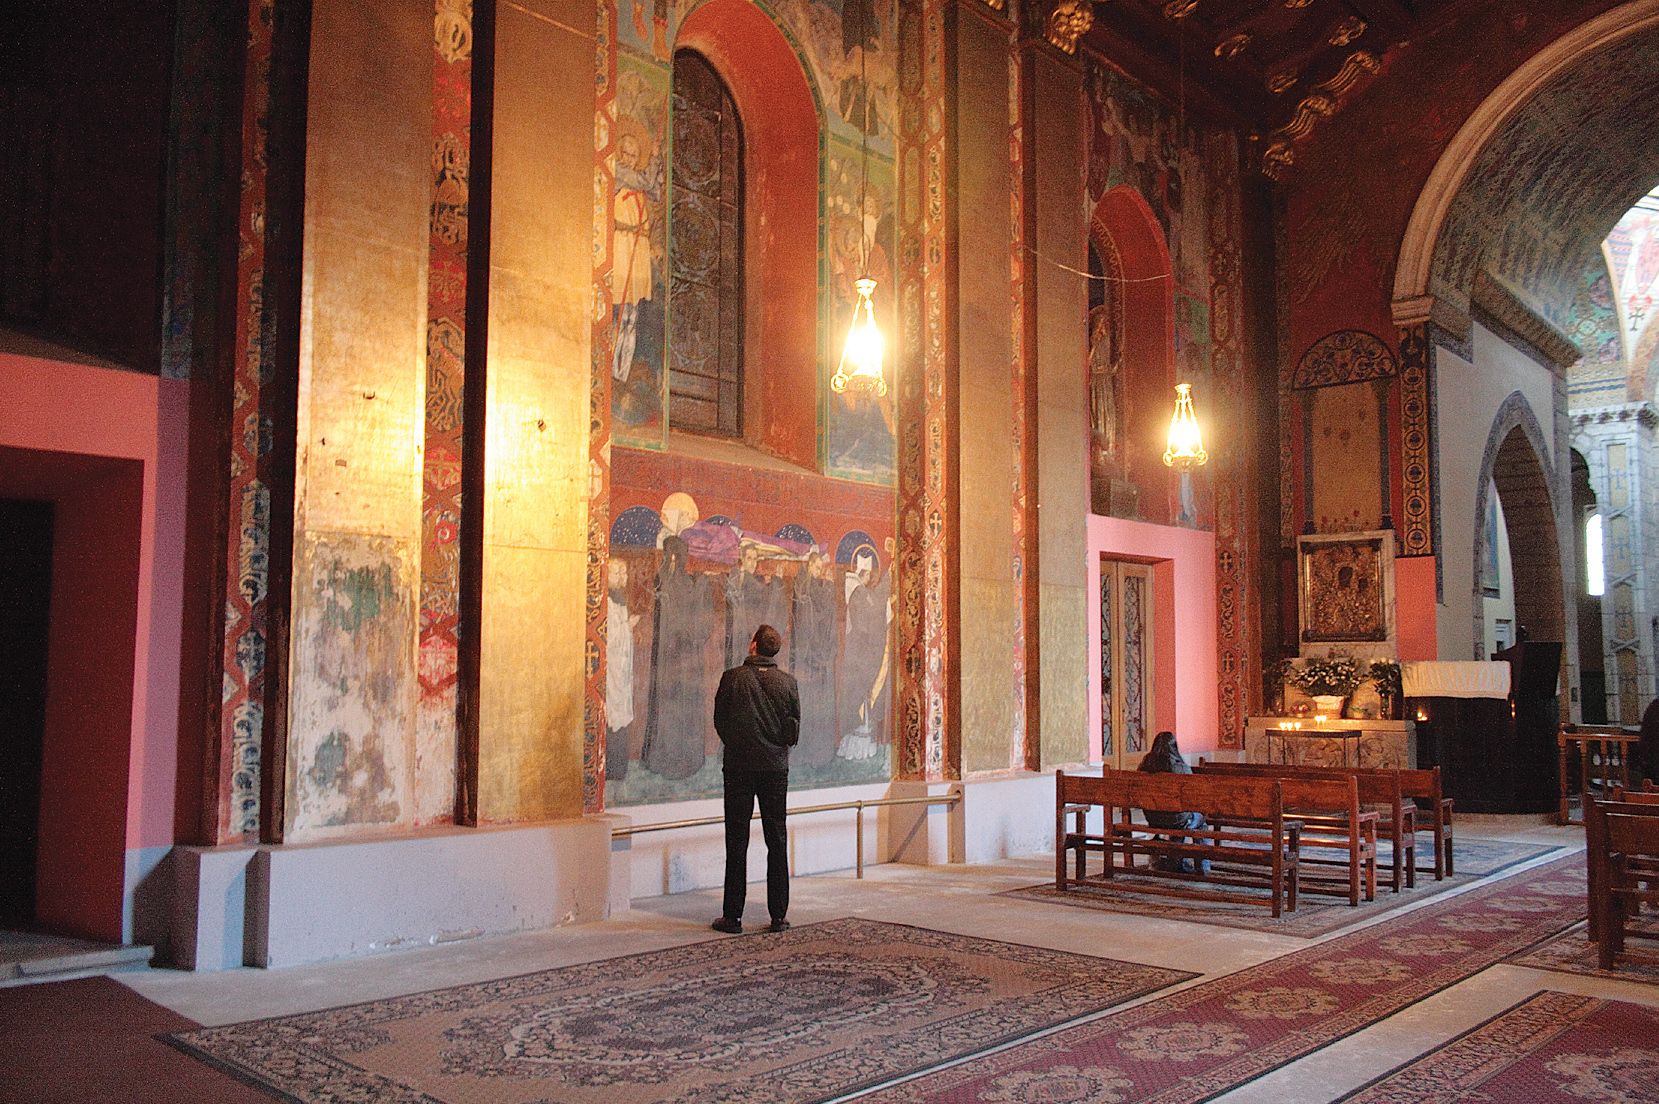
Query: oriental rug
column 1550, row 1047
column 1315, row 915
column 805, row 1015
column 1208, row 1038
column 1571, row 952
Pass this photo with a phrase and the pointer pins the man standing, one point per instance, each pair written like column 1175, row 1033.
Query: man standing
column 757, row 712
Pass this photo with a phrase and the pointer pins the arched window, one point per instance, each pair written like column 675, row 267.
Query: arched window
column 705, row 296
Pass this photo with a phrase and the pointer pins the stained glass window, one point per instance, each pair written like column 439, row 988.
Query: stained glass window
column 705, row 304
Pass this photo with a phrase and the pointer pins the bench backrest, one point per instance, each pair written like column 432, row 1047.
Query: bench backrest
column 1632, row 833
column 1635, row 797
column 1330, row 793
column 1376, row 785
column 1256, row 798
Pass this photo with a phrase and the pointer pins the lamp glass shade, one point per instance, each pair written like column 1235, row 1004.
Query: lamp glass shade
column 1186, row 445
column 861, row 357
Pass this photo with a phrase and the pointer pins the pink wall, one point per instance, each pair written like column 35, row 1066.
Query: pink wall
column 1414, row 607
column 64, row 413
column 1186, row 689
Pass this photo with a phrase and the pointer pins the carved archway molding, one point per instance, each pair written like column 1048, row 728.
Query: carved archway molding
column 1428, row 218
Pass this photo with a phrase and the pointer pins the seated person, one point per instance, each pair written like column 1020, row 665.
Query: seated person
column 1165, row 758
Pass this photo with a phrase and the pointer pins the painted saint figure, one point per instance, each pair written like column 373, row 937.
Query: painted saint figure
column 752, row 600
column 674, row 728
column 619, row 669
column 638, row 190
column 812, row 658
column 865, row 664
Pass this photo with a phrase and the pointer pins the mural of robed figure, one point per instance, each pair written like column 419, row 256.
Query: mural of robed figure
column 865, row 662
column 752, row 600
column 812, row 658
column 679, row 713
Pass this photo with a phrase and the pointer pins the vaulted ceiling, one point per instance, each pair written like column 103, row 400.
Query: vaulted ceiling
column 1273, row 68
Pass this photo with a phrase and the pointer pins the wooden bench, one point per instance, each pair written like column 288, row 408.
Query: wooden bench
column 1434, row 810
column 1623, row 858
column 1263, row 837
column 1632, row 802
column 1328, row 807
column 1378, row 787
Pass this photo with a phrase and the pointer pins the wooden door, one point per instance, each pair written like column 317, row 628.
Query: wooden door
column 1125, row 662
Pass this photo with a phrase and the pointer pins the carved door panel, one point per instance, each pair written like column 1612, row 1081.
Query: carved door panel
column 1125, row 662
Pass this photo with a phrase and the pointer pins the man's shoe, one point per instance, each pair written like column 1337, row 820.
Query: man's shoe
column 728, row 925
column 779, row 925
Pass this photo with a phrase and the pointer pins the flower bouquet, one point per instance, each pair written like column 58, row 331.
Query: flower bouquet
column 1327, row 681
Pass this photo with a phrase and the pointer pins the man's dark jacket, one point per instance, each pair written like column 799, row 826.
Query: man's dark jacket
column 757, row 712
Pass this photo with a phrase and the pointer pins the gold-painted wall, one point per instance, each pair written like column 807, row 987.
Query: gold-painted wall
column 352, row 688
column 1057, row 153
column 535, row 509
column 990, row 595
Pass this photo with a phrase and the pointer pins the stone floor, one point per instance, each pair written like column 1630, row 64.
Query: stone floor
column 960, row 899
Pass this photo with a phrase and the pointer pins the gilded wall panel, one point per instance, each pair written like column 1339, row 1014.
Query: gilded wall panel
column 535, row 575
column 1065, row 685
column 530, row 687
column 353, row 674
column 988, row 696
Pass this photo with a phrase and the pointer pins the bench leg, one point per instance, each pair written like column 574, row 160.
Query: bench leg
column 1060, row 850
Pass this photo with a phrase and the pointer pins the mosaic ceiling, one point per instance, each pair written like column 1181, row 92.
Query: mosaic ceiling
column 1553, row 183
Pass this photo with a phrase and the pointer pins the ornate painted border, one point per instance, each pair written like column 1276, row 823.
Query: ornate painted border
column 927, row 475
column 241, row 713
column 1417, row 530
column 446, row 322
column 599, row 409
column 1236, row 598
column 1023, row 751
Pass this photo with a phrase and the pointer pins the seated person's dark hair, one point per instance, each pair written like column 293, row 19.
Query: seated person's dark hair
column 1164, row 756
column 767, row 641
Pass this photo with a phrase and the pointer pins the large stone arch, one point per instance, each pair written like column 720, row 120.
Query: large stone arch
column 1413, row 275
column 1517, row 461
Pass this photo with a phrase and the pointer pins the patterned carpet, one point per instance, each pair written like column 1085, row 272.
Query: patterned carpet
column 803, row 1016
column 1209, row 1038
column 1550, row 1047
column 1571, row 952
column 1315, row 915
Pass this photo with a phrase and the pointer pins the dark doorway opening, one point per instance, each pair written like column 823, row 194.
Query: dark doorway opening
column 25, row 596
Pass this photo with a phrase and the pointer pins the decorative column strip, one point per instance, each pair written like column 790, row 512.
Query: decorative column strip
column 599, row 406
column 1236, row 597
column 1024, row 746
column 236, row 742
column 927, row 449
column 440, row 592
column 1417, row 532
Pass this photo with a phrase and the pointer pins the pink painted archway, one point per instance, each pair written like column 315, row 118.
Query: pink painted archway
column 1124, row 226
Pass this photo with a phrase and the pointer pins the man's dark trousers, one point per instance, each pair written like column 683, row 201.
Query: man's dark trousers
column 742, row 788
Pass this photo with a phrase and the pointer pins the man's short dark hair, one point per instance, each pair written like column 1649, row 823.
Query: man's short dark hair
column 768, row 641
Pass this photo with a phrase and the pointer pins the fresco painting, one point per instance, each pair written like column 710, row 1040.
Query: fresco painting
column 1140, row 141
column 843, row 48
column 686, row 592
column 639, row 249
column 861, row 229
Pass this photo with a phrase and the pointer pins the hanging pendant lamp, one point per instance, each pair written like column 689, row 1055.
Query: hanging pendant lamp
column 1185, row 450
column 861, row 355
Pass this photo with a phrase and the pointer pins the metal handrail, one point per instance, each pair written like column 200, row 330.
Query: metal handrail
column 950, row 798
